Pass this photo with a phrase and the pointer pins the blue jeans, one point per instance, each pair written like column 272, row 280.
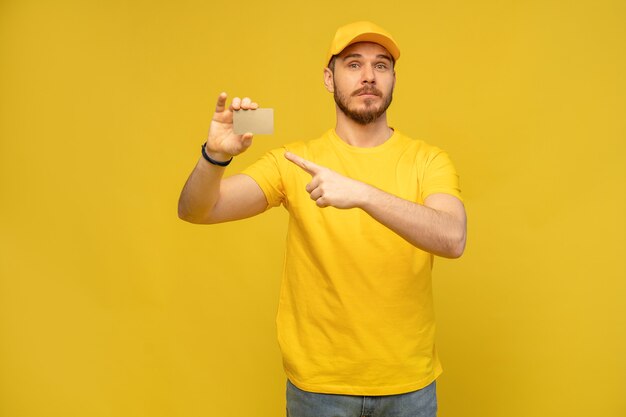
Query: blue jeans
column 420, row 403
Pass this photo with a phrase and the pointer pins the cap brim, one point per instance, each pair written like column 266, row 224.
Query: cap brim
column 378, row 38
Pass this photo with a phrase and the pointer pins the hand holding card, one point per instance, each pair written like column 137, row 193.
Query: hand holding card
column 222, row 142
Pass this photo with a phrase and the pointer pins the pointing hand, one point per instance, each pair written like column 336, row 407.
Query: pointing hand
column 328, row 188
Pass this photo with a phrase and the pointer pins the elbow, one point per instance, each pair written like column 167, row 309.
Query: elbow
column 457, row 250
column 188, row 216
column 456, row 246
column 184, row 215
column 457, row 239
column 195, row 219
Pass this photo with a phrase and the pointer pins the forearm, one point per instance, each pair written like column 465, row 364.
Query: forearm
column 431, row 230
column 200, row 193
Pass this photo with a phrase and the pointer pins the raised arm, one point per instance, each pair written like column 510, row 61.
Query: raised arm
column 206, row 197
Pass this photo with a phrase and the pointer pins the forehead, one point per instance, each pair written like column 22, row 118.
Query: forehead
column 365, row 49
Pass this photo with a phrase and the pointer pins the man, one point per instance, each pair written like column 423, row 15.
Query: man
column 368, row 209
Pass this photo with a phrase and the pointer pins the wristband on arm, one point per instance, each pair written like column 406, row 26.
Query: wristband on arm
column 213, row 161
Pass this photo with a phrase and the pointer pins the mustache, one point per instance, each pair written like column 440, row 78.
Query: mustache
column 368, row 90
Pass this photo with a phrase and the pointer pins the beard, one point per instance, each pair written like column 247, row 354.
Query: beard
column 369, row 113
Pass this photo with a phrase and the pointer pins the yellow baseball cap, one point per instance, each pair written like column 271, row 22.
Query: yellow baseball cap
column 362, row 32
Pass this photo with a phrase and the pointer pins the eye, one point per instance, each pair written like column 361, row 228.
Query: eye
column 353, row 65
column 381, row 66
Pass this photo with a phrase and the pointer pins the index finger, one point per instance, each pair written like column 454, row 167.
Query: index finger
column 308, row 166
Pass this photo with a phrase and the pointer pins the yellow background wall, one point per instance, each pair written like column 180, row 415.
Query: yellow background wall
column 111, row 306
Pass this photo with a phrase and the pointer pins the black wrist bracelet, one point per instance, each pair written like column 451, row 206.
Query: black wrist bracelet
column 213, row 161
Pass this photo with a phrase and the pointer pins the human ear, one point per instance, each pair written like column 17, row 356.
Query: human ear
column 328, row 80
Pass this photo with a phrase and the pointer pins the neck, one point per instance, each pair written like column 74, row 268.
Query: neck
column 363, row 136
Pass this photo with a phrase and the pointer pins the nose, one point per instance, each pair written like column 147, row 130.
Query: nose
column 368, row 75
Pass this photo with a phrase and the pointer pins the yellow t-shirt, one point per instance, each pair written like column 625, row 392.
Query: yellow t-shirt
column 355, row 313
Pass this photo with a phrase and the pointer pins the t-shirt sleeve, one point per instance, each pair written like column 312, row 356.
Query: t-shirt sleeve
column 440, row 176
column 266, row 173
